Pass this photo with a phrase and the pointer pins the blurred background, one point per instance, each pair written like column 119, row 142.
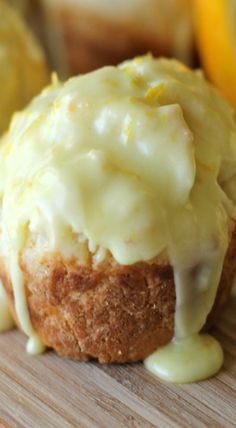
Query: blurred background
column 78, row 36
column 81, row 35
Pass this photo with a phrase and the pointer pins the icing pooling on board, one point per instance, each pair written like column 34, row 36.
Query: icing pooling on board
column 143, row 146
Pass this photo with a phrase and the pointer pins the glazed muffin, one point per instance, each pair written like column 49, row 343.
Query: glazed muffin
column 100, row 32
column 23, row 70
column 118, row 228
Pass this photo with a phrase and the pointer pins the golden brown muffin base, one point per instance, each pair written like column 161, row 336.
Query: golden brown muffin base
column 92, row 41
column 110, row 312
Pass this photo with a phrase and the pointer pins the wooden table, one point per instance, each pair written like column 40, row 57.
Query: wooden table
column 50, row 392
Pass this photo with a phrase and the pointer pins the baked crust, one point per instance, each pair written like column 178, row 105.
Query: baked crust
column 109, row 312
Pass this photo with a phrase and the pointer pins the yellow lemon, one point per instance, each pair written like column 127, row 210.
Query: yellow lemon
column 215, row 24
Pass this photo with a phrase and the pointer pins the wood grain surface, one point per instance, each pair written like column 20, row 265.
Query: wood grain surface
column 47, row 391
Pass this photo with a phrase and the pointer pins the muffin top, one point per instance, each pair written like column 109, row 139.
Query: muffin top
column 135, row 159
column 23, row 70
column 115, row 154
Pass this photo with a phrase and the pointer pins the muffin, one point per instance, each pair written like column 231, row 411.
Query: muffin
column 23, row 70
column 117, row 193
column 95, row 33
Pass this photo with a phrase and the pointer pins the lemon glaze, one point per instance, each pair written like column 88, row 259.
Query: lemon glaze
column 149, row 147
column 187, row 360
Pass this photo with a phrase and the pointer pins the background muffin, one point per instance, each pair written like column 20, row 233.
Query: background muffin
column 89, row 34
column 23, row 69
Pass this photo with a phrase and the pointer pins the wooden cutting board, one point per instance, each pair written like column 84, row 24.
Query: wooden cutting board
column 50, row 392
